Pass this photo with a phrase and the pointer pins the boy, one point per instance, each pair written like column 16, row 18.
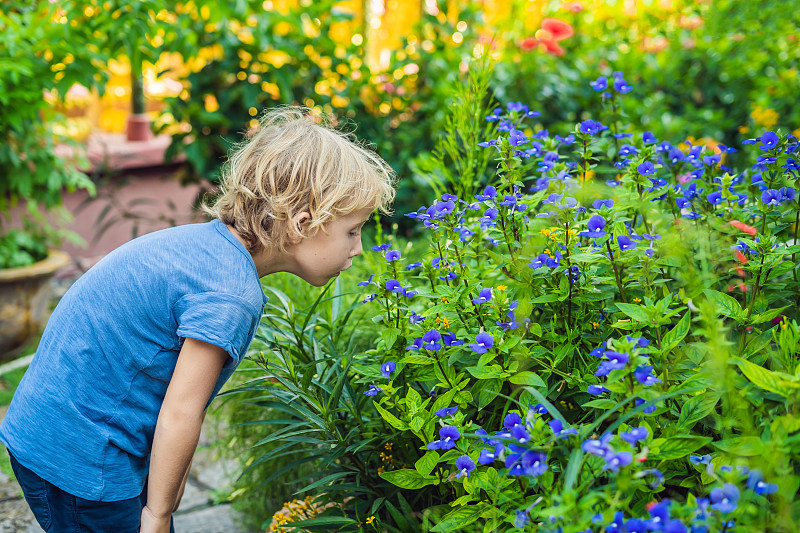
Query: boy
column 102, row 428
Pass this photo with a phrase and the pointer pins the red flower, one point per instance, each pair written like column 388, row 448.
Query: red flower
column 552, row 31
column 559, row 29
column 740, row 257
column 528, row 44
column 744, row 227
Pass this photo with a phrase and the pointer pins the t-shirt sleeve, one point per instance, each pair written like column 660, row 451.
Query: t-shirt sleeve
column 224, row 320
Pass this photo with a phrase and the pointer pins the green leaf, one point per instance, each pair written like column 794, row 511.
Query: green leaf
column 674, row 336
column 726, row 305
column 389, row 336
column 545, row 298
column 697, row 408
column 600, row 403
column 636, row 312
column 486, row 372
column 389, row 417
column 782, row 384
column 458, row 519
column 746, row 446
column 528, row 378
column 767, row 315
column 325, row 521
column 427, row 463
column 406, row 478
column 677, row 446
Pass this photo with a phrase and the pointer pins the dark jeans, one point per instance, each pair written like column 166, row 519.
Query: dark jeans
column 60, row 512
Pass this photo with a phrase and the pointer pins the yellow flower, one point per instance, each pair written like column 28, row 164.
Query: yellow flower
column 445, row 323
column 370, row 519
column 637, row 300
column 595, row 325
column 501, row 287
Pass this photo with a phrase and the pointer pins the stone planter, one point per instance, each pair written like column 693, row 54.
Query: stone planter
column 24, row 302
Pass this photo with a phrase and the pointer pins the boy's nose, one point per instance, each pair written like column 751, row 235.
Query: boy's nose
column 357, row 250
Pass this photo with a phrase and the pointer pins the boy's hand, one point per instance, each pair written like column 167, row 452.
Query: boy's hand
column 152, row 524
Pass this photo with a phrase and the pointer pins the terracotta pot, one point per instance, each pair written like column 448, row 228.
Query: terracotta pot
column 25, row 302
column 139, row 127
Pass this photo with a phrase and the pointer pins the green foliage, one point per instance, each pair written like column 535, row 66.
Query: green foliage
column 612, row 364
column 29, row 168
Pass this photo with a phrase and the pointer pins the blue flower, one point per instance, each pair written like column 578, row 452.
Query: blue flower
column 372, row 391
column 769, row 140
column 626, row 150
column 591, row 127
column 381, row 247
column 488, row 194
column 725, row 499
column 554, row 261
column 526, row 463
column 621, row 86
column 650, row 408
column 369, row 298
column 715, row 197
column 430, row 340
column 649, row 138
column 449, row 339
column 465, row 465
column 625, row 243
column 412, row 266
column 771, row 197
column 600, row 84
column 444, row 412
column 599, row 447
column 520, row 434
column 756, row 483
column 497, row 114
column 517, row 138
column 596, row 227
column 388, row 368
column 522, row 519
column 393, row 285
column 647, row 168
column 489, row 456
column 512, row 420
column 640, row 342
column 617, row 460
column 415, row 319
column 484, row 296
column 597, row 204
column 643, row 375
column 700, row 459
column 539, row 261
column 635, row 435
column 483, row 343
column 485, row 144
column 392, row 255
column 596, row 390
column 448, row 436
column 616, row 361
column 559, row 431
column 367, row 282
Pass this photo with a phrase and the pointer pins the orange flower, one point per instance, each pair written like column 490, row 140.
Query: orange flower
column 740, row 257
column 741, row 226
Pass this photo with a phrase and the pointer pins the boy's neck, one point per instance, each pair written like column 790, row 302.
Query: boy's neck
column 265, row 261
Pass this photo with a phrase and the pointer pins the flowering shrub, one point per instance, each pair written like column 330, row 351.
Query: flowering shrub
column 602, row 338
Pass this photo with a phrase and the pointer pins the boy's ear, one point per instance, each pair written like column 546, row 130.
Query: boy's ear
column 298, row 221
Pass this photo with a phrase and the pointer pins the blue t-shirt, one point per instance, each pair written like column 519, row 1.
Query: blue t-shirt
column 84, row 415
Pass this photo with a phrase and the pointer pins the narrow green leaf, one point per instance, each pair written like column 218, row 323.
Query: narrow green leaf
column 390, row 418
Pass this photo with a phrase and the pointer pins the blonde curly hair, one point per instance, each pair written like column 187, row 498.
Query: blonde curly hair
column 297, row 162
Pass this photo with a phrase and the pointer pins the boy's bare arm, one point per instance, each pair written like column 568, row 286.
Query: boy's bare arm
column 178, row 429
